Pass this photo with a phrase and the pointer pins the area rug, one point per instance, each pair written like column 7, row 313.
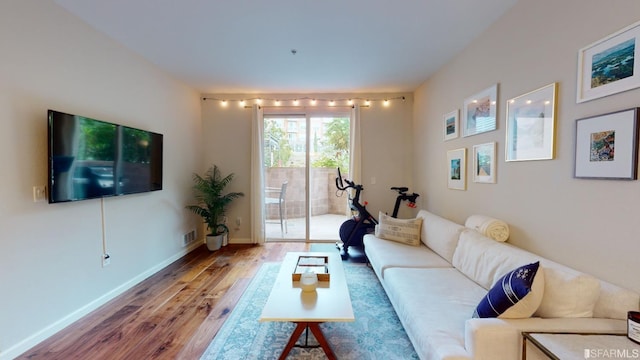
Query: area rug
column 375, row 334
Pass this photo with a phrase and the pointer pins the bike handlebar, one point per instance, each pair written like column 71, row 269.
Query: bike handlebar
column 355, row 201
column 350, row 184
column 401, row 190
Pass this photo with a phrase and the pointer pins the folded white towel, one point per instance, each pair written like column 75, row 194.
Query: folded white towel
column 493, row 228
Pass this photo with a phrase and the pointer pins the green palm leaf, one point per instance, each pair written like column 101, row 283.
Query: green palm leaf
column 212, row 203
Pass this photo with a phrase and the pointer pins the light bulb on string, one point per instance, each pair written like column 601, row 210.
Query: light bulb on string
column 386, row 102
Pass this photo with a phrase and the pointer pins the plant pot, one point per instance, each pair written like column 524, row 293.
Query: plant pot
column 214, row 242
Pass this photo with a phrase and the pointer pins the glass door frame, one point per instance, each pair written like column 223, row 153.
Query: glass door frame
column 306, row 113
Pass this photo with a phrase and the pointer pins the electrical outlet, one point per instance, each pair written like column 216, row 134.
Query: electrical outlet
column 106, row 260
column 39, row 193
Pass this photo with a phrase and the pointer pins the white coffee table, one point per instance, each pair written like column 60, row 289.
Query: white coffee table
column 329, row 303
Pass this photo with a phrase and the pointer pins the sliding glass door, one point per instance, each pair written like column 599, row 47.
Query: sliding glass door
column 302, row 153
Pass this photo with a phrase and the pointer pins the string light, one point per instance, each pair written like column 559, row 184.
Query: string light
column 307, row 101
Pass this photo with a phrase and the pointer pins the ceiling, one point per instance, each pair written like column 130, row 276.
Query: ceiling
column 247, row 46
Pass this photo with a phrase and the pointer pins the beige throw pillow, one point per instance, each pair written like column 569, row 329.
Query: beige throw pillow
column 406, row 231
column 568, row 294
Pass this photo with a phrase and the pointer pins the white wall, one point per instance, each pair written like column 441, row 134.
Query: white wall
column 386, row 147
column 50, row 255
column 587, row 224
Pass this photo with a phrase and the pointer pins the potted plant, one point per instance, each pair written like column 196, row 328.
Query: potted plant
column 212, row 204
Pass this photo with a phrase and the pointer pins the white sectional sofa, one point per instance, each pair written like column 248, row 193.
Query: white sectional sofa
column 436, row 286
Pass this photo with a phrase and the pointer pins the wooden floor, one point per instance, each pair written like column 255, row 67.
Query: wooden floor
column 174, row 314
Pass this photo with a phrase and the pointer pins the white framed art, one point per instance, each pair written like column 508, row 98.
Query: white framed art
column 530, row 125
column 484, row 163
column 609, row 66
column 456, row 169
column 450, row 124
column 479, row 112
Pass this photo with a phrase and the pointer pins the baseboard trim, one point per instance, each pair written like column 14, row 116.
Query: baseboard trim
column 240, row 241
column 33, row 340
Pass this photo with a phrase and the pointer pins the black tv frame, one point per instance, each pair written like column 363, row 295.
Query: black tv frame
column 86, row 156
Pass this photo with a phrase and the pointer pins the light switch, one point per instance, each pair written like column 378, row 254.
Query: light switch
column 39, row 193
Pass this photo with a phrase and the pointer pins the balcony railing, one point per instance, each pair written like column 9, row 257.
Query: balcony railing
column 328, row 211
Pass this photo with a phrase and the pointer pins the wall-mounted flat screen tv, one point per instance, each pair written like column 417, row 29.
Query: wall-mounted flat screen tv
column 90, row 158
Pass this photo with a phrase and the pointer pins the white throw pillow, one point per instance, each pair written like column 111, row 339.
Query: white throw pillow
column 568, row 294
column 406, row 231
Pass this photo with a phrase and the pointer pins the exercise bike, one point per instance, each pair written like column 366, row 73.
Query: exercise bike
column 353, row 230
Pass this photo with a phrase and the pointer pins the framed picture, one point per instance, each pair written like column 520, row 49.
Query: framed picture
column 451, row 125
column 456, row 169
column 479, row 112
column 608, row 66
column 607, row 146
column 530, row 129
column 484, row 163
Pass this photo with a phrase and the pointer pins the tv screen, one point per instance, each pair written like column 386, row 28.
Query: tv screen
column 90, row 158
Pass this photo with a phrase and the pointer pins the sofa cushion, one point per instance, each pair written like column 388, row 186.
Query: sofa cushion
column 614, row 302
column 433, row 305
column 384, row 254
column 406, row 231
column 513, row 287
column 439, row 234
column 567, row 292
column 485, row 260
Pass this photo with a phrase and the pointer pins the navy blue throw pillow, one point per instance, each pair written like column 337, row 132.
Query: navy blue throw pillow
column 507, row 291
